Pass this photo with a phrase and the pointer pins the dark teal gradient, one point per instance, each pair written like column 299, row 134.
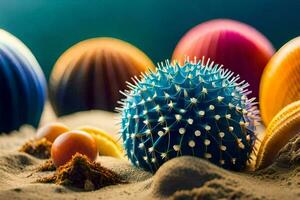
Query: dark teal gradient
column 48, row 28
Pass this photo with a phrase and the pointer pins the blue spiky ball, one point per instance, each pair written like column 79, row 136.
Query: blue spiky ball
column 198, row 109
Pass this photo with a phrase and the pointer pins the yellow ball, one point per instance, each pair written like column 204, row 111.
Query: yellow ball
column 280, row 80
column 106, row 144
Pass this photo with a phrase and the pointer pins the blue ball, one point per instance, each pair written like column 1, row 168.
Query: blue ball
column 22, row 85
column 198, row 109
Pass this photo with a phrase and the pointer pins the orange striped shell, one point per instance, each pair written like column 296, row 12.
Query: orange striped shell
column 284, row 126
column 90, row 74
column 280, row 83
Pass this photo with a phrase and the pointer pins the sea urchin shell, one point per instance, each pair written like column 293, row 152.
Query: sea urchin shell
column 284, row 126
column 238, row 46
column 22, row 85
column 197, row 109
column 90, row 74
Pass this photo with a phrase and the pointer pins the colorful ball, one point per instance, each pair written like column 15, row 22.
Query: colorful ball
column 68, row 144
column 90, row 74
column 197, row 109
column 280, row 80
column 22, row 85
column 51, row 131
column 237, row 46
column 106, row 144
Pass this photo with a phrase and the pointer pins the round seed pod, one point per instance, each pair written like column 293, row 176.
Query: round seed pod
column 280, row 80
column 22, row 85
column 90, row 75
column 68, row 144
column 51, row 131
column 237, row 46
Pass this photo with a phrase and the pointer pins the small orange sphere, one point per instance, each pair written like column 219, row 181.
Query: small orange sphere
column 51, row 131
column 70, row 143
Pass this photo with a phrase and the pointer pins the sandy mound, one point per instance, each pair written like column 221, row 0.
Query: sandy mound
column 82, row 173
column 184, row 173
column 193, row 178
column 289, row 156
column 286, row 168
column 180, row 178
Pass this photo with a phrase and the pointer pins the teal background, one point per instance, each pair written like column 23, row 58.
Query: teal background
column 49, row 27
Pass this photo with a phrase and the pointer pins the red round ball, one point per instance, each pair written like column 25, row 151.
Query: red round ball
column 237, row 46
column 68, row 144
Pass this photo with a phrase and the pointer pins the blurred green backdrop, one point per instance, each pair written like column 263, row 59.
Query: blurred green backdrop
column 49, row 27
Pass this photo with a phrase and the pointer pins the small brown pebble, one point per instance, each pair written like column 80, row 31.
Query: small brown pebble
column 38, row 148
column 80, row 172
column 17, row 189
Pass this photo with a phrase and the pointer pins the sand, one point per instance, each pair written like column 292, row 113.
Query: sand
column 180, row 178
